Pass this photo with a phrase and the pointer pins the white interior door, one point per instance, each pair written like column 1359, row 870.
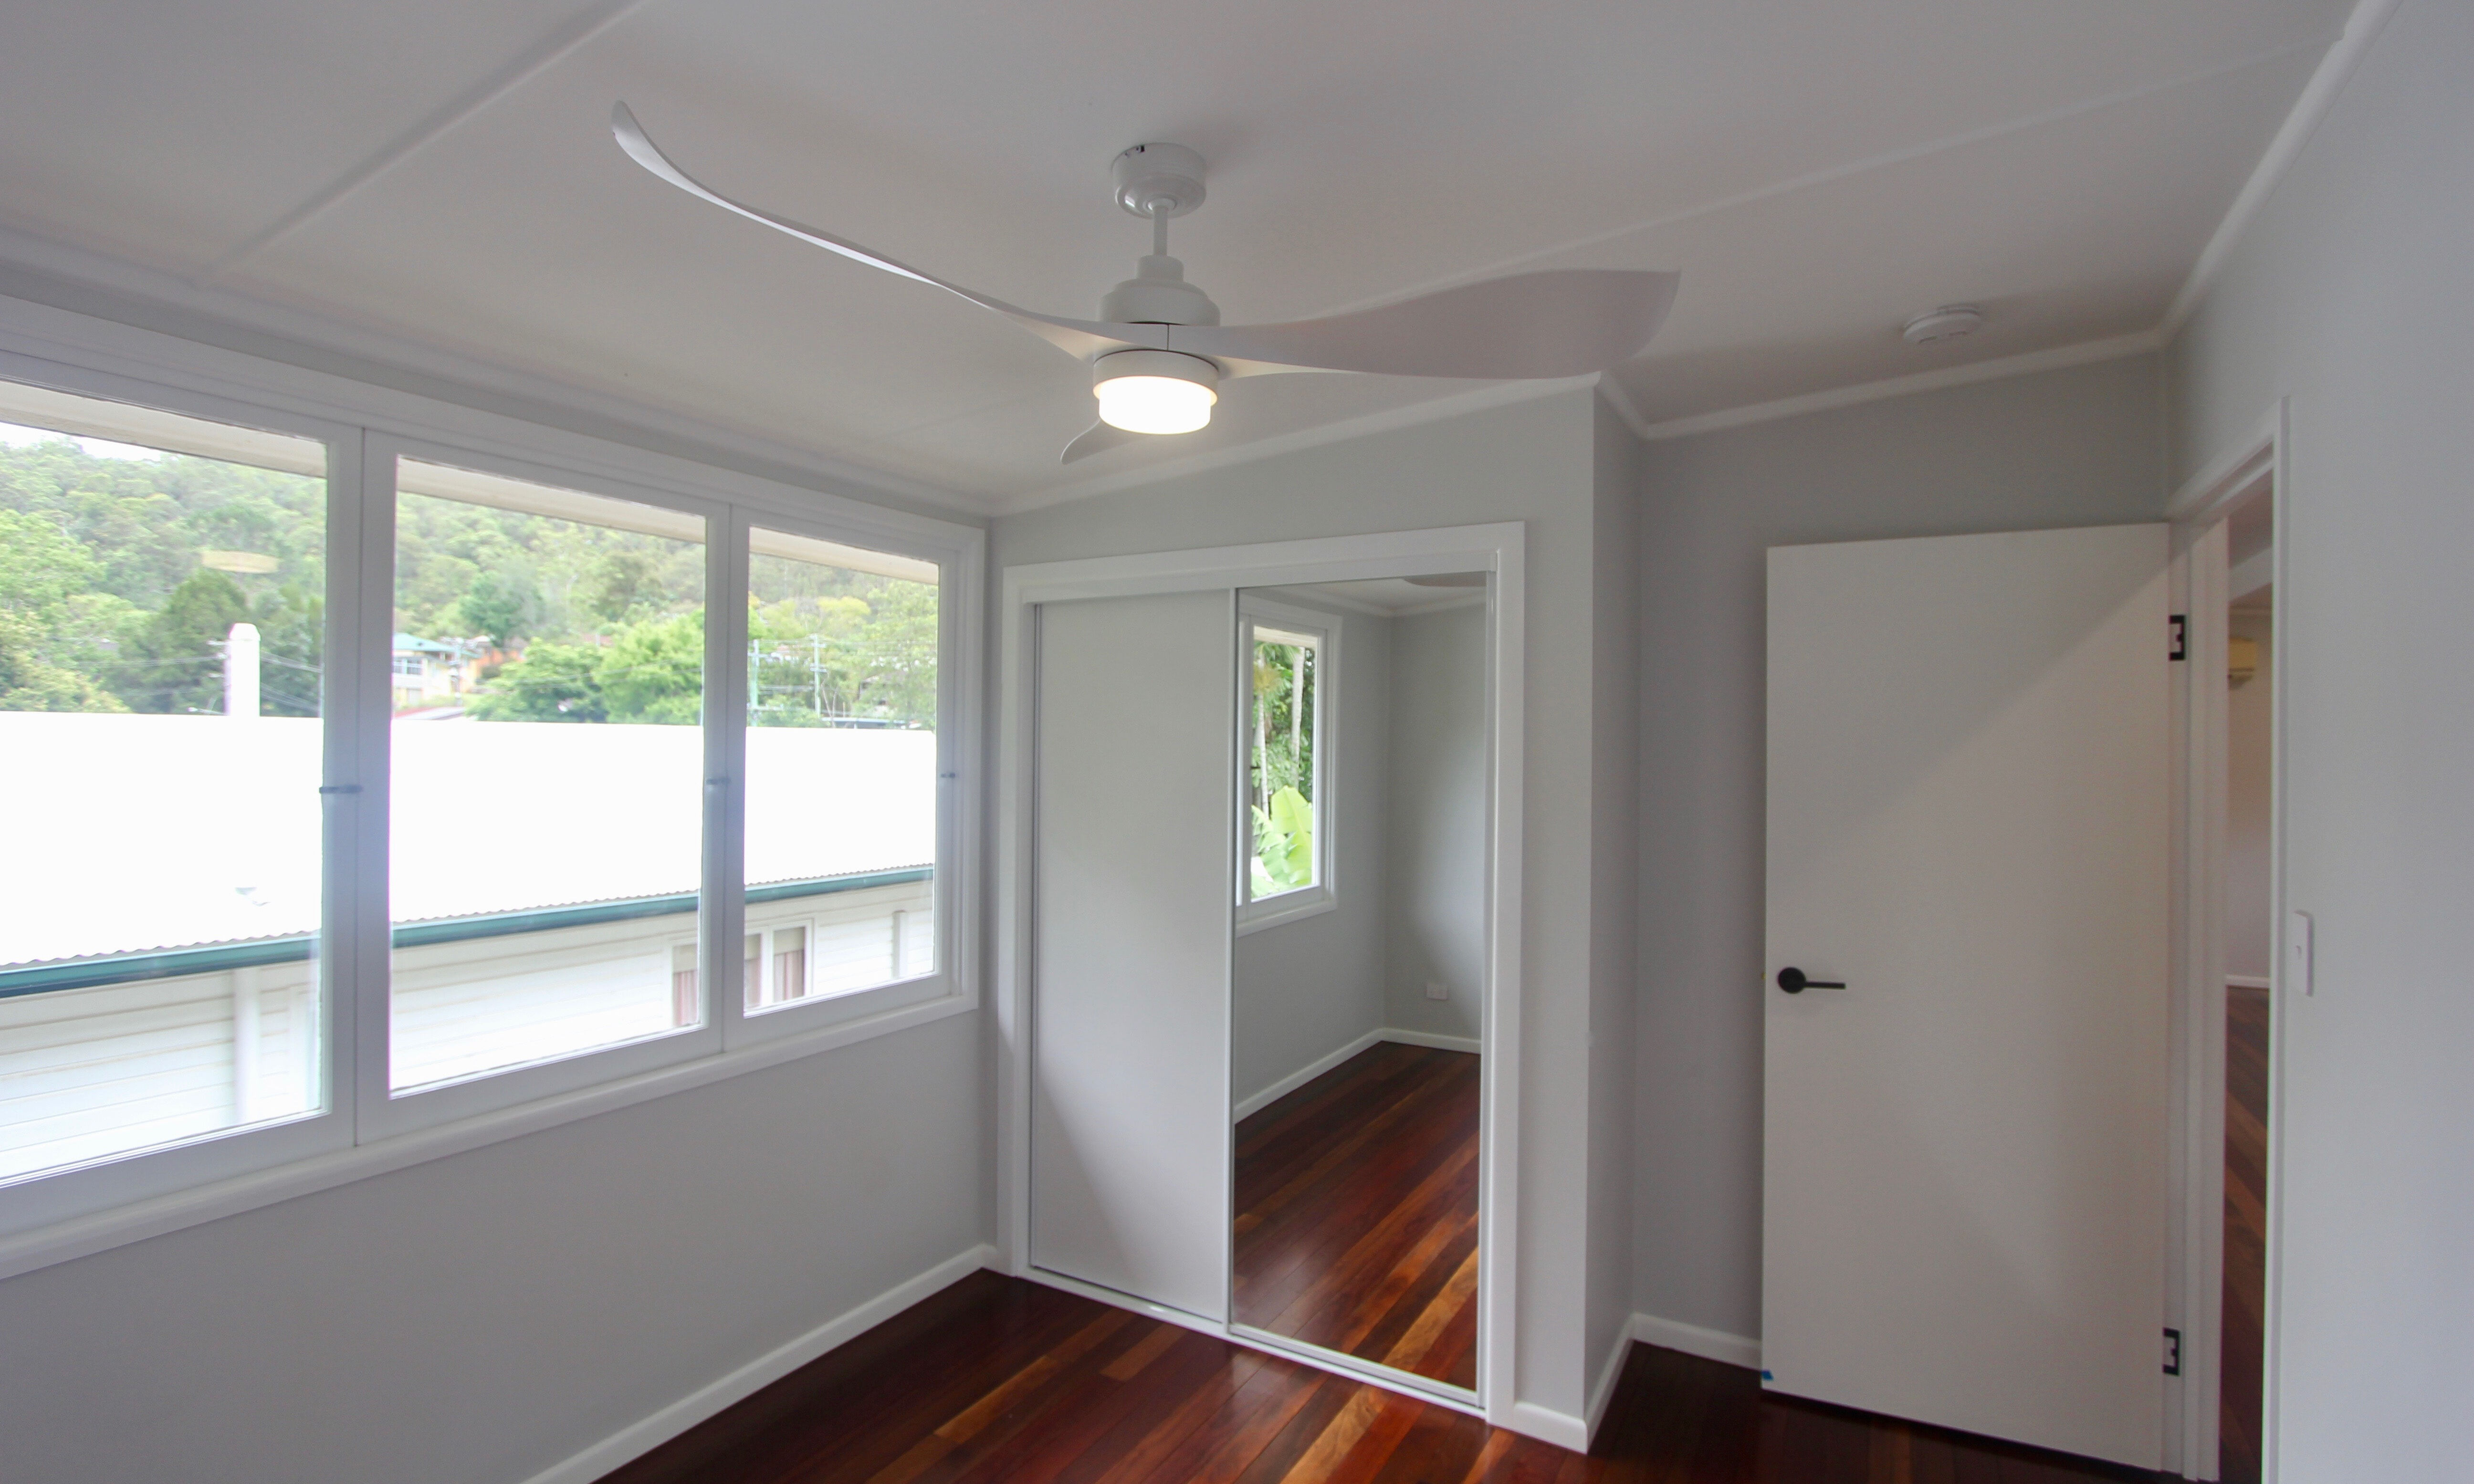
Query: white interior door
column 1965, row 1148
column 1132, row 899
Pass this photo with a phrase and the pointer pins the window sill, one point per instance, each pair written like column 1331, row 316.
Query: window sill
column 102, row 1231
column 1290, row 907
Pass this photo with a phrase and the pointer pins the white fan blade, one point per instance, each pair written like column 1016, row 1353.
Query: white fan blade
column 1082, row 338
column 1561, row 323
column 1098, row 438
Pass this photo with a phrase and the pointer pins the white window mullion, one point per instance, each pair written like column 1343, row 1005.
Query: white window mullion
column 722, row 915
column 361, row 670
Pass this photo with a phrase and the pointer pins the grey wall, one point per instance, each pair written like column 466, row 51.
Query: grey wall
column 1436, row 923
column 481, row 1317
column 1302, row 989
column 2250, row 937
column 2080, row 447
column 1529, row 461
column 2350, row 296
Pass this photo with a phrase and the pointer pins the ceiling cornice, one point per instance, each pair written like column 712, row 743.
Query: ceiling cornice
column 2085, row 352
column 2319, row 95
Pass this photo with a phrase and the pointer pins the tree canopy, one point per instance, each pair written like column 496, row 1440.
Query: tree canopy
column 118, row 586
column 105, row 604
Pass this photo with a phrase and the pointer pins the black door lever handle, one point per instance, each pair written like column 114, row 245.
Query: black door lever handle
column 1793, row 980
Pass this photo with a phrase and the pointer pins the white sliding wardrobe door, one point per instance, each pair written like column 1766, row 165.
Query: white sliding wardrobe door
column 1130, row 1141
column 1964, row 1209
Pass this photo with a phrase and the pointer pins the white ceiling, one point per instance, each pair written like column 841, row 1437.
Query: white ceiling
column 1817, row 173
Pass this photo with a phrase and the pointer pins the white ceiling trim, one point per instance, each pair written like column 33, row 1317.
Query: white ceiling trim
column 1621, row 400
column 147, row 299
column 1882, row 161
column 2319, row 96
column 1502, row 394
column 527, row 64
column 2085, row 352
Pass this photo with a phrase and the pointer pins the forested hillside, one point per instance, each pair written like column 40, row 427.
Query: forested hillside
column 121, row 577
column 105, row 603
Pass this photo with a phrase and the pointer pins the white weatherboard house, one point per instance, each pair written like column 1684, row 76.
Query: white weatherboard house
column 185, row 1002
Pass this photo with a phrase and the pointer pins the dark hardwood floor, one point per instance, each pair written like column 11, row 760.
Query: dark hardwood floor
column 2237, row 1411
column 1357, row 1211
column 997, row 1379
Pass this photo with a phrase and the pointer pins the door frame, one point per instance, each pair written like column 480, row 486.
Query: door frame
column 1498, row 548
column 2194, row 1277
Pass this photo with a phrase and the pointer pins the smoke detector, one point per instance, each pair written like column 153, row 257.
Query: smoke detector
column 1948, row 323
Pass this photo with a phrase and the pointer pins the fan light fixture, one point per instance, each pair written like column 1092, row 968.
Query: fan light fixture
column 1155, row 391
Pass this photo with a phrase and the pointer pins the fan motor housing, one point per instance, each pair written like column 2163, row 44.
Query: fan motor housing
column 1158, row 293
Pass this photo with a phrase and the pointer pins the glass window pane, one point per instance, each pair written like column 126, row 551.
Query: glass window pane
column 547, row 819
column 1280, row 764
column 162, row 598
column 841, row 767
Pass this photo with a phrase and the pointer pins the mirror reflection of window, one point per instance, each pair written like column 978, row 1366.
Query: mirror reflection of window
column 1280, row 766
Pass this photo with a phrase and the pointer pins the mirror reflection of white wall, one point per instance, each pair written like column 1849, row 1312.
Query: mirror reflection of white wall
column 1435, row 919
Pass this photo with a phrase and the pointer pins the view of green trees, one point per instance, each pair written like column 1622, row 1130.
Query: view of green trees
column 1281, row 772
column 608, row 625
column 106, row 605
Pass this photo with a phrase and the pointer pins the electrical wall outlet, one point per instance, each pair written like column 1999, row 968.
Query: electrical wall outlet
column 1435, row 990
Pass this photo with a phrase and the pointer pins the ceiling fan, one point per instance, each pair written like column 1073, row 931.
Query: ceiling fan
column 1158, row 352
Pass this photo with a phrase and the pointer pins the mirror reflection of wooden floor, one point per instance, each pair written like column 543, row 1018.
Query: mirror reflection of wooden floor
column 1357, row 1211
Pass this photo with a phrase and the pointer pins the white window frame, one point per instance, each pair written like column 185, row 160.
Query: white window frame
column 361, row 1130
column 1252, row 915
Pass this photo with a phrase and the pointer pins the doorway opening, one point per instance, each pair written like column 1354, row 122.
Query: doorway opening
column 2249, row 960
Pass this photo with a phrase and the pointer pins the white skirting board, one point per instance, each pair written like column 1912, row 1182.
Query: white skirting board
column 648, row 1433
column 1254, row 1103
column 1602, row 1390
column 1576, row 1432
column 1674, row 1334
column 1548, row 1426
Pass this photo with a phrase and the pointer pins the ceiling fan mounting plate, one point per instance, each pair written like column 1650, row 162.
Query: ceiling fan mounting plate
column 1157, row 181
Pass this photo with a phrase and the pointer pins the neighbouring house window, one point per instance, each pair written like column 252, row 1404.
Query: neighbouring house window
column 1286, row 660
column 162, row 664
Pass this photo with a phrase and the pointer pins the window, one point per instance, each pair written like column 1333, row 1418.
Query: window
column 841, row 768
column 499, row 767
column 546, row 840
column 1286, row 665
column 162, row 654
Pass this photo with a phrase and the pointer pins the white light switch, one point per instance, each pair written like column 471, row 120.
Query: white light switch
column 2297, row 953
column 1435, row 990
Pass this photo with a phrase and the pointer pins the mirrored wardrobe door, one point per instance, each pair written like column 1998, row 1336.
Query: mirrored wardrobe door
column 1359, row 969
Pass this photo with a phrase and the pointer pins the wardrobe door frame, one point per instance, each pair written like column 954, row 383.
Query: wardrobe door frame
column 1495, row 549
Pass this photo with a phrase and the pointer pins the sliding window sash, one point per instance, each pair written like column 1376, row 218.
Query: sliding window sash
column 156, row 1179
